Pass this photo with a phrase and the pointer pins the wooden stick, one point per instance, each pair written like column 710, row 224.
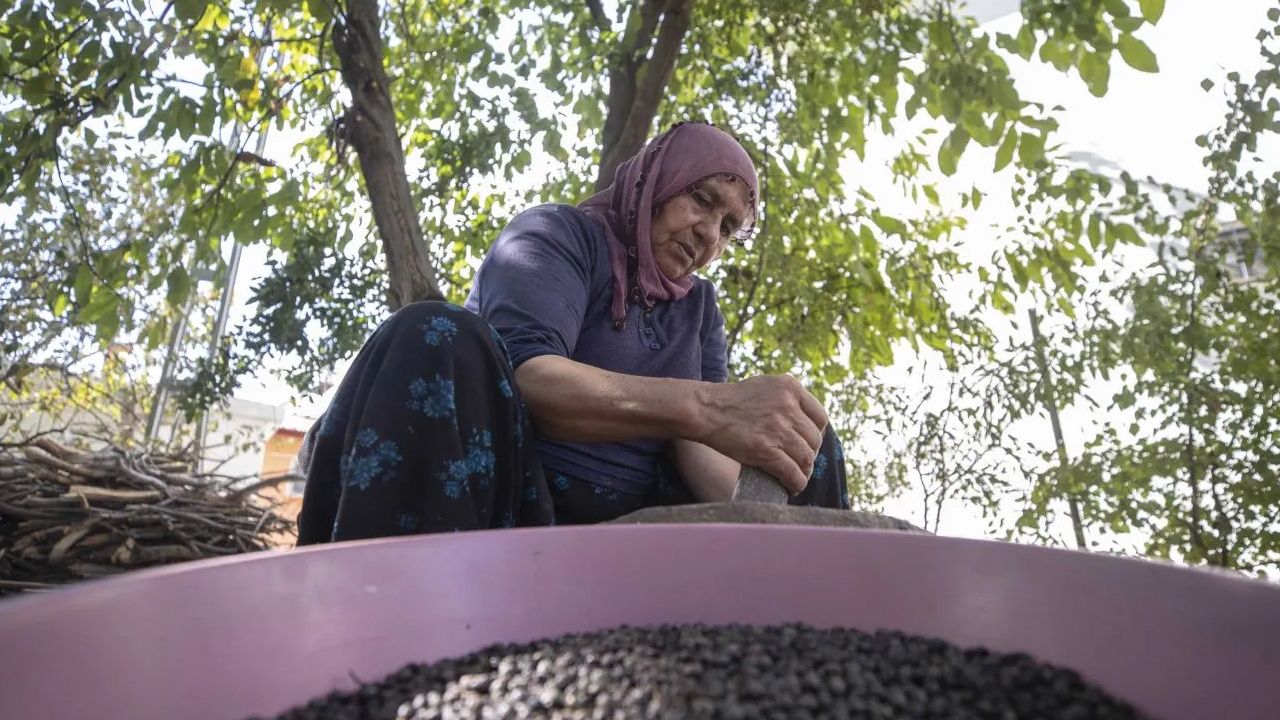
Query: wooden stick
column 99, row 494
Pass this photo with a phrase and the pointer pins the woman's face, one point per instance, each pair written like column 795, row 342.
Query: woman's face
column 694, row 227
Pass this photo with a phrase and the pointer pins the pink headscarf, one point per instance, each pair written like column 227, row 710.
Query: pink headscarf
column 667, row 166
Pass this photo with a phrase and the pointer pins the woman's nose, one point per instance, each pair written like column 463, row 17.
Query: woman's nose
column 708, row 230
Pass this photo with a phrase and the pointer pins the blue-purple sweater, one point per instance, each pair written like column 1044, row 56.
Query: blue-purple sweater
column 547, row 288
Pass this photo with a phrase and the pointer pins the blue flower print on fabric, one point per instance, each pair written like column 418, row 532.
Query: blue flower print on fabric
column 819, row 467
column 531, row 493
column 407, row 521
column 504, row 387
column 478, row 463
column 561, row 482
column 438, row 329
column 508, row 519
column 610, row 494
column 433, row 398
column 369, row 459
column 452, row 308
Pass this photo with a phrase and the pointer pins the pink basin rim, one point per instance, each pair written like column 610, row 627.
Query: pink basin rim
column 259, row 633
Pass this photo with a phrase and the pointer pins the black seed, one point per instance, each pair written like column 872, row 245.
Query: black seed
column 731, row 672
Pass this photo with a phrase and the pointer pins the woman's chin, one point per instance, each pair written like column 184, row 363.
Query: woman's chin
column 674, row 270
column 680, row 274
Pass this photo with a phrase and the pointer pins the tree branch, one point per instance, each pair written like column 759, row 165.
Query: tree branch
column 597, row 15
column 636, row 85
column 742, row 315
column 369, row 125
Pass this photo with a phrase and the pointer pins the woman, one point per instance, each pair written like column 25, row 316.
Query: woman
column 590, row 322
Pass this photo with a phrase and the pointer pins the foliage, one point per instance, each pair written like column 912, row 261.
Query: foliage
column 1162, row 330
column 85, row 262
column 1195, row 472
column 208, row 123
column 483, row 88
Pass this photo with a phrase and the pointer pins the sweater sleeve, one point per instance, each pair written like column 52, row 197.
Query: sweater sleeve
column 715, row 351
column 533, row 286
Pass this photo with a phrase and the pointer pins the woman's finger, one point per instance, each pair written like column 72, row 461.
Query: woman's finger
column 798, row 448
column 780, row 465
column 811, row 433
column 814, row 410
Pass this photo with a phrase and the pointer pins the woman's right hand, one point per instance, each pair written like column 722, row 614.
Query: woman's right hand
column 769, row 421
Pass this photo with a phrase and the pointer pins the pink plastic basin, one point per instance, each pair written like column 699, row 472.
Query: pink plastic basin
column 260, row 633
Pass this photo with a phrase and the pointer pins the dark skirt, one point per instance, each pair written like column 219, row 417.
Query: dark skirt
column 427, row 434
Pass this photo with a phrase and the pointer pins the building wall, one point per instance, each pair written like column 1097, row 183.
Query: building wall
column 278, row 455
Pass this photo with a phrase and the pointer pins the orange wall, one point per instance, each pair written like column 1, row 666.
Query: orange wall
column 277, row 457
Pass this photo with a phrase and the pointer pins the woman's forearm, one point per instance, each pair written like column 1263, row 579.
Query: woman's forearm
column 709, row 475
column 767, row 422
column 574, row 402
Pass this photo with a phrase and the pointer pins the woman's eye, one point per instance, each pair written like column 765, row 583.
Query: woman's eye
column 702, row 198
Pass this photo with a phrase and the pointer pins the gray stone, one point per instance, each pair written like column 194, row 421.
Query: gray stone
column 764, row 514
column 755, row 485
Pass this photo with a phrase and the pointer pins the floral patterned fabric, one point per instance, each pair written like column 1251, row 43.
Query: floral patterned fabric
column 427, row 434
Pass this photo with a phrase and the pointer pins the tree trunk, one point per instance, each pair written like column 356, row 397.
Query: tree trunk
column 370, row 126
column 638, row 77
column 1051, row 404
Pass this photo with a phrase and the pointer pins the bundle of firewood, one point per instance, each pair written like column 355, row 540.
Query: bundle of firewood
column 68, row 514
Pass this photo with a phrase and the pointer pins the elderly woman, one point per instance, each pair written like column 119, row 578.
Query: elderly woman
column 586, row 378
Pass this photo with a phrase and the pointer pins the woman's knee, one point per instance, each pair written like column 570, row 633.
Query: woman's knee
column 437, row 323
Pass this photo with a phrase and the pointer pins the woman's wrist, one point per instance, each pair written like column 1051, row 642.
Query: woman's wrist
column 694, row 422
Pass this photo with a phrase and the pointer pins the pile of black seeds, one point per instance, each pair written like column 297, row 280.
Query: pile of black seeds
column 733, row 671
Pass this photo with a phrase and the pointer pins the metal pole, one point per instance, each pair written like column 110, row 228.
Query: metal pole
column 156, row 416
column 224, row 312
column 1046, row 394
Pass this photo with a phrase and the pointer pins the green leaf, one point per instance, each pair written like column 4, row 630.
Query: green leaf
column 1026, row 42
column 952, row 148
column 1031, row 149
column 1057, row 53
column 82, row 284
column 320, row 9
column 890, row 225
column 1005, row 153
column 1096, row 72
column 154, row 335
column 39, row 88
column 60, row 302
column 189, row 10
column 1117, row 8
column 1137, row 54
column 107, row 326
column 178, row 287
column 102, row 302
column 1128, row 24
column 1126, row 234
column 1094, row 232
column 1152, row 10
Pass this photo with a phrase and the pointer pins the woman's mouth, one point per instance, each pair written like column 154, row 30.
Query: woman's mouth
column 688, row 251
